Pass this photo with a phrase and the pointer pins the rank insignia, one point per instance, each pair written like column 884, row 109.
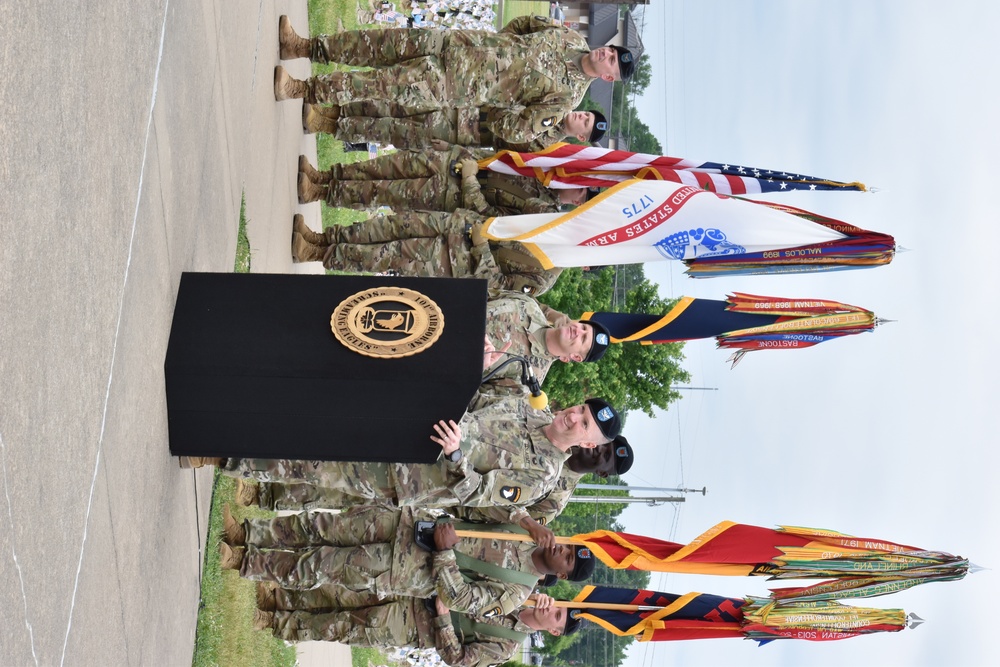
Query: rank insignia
column 549, row 122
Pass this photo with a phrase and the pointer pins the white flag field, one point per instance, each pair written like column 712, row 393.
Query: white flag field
column 643, row 221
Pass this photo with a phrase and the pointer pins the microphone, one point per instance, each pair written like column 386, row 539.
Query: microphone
column 537, row 400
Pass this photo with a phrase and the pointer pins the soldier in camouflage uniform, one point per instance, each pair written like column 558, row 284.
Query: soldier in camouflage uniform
column 425, row 181
column 406, row 621
column 371, row 549
column 532, row 72
column 540, row 334
column 614, row 458
column 424, row 243
column 366, row 121
column 505, row 454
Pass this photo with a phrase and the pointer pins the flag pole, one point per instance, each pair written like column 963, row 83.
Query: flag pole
column 500, row 535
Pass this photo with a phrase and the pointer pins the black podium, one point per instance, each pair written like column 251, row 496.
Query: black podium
column 254, row 370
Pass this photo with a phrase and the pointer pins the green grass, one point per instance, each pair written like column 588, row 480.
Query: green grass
column 368, row 657
column 225, row 634
column 242, row 264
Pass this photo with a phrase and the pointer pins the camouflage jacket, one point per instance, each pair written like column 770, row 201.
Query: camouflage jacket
column 516, row 318
column 478, row 650
column 528, row 68
column 544, row 511
column 420, row 573
column 507, row 460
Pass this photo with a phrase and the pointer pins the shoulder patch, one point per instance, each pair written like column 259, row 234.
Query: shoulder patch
column 510, row 493
column 493, row 611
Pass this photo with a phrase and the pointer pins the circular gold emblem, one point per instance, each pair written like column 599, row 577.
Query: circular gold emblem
column 387, row 322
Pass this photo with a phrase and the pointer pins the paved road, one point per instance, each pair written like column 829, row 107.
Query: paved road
column 127, row 133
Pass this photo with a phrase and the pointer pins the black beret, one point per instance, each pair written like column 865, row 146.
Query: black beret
column 601, row 342
column 626, row 62
column 600, row 126
column 583, row 566
column 607, row 418
column 623, row 455
column 572, row 622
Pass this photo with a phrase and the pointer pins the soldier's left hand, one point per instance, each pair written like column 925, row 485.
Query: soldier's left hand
column 543, row 601
column 491, row 355
column 469, row 168
column 449, row 435
column 444, row 536
column 442, row 609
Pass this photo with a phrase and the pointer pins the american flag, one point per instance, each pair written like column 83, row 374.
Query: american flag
column 574, row 166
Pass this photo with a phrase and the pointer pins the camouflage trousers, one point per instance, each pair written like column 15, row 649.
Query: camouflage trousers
column 402, row 622
column 389, row 485
column 299, row 497
column 279, row 496
column 364, row 482
column 404, row 179
column 392, row 123
column 378, row 48
column 414, row 243
column 350, row 553
column 418, row 85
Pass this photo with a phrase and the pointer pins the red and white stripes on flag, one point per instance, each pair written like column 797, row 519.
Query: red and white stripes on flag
column 574, row 166
column 642, row 221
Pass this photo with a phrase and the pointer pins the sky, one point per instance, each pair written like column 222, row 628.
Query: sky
column 887, row 435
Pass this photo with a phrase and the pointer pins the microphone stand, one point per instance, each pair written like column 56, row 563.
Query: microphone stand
column 538, row 398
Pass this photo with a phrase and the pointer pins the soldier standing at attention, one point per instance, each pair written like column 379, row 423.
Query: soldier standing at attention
column 505, row 454
column 369, row 550
column 426, row 180
column 362, row 122
column 407, row 621
column 531, row 73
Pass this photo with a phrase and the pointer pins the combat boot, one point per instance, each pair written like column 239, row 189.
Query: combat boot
column 263, row 620
column 317, row 177
column 290, row 45
column 246, row 493
column 288, row 88
column 266, row 599
column 309, row 191
column 299, row 226
column 303, row 251
column 234, row 534
column 316, row 118
column 230, row 558
column 198, row 461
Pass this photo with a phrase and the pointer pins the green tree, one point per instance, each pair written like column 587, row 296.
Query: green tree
column 631, row 376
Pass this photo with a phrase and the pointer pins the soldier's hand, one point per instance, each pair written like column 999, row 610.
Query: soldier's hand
column 449, row 435
column 440, row 606
column 543, row 601
column 444, row 536
column 439, row 145
column 476, row 234
column 469, row 168
column 540, row 535
column 491, row 355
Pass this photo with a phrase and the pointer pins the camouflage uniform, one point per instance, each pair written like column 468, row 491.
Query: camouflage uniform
column 543, row 511
column 393, row 124
column 372, row 550
column 403, row 622
column 528, row 72
column 428, row 243
column 521, row 321
column 507, row 461
column 278, row 496
column 423, row 180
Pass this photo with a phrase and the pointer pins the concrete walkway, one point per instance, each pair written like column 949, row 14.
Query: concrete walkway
column 127, row 133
